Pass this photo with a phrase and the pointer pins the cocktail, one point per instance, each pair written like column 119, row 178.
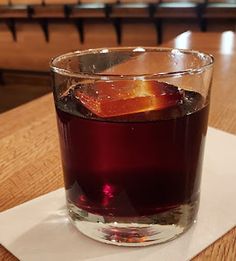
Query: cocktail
column 132, row 125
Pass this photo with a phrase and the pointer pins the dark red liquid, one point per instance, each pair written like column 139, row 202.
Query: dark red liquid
column 122, row 168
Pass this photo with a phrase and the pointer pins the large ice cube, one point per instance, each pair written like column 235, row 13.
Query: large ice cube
column 116, row 98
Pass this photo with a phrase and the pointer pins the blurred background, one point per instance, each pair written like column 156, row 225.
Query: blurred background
column 33, row 31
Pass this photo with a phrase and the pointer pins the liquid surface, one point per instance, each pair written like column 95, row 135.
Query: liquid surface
column 132, row 164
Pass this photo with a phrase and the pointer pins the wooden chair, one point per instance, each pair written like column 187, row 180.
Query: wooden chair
column 221, row 26
column 60, row 2
column 8, row 11
column 218, row 17
column 26, row 2
column 220, row 10
column 182, row 1
column 176, row 10
column 221, row 1
column 48, row 11
column 130, row 37
column 4, row 2
column 173, row 27
column 33, row 52
column 6, row 46
column 130, row 10
column 87, row 11
column 31, row 45
column 138, row 1
column 98, row 1
column 99, row 34
column 28, row 52
column 175, row 18
column 59, row 41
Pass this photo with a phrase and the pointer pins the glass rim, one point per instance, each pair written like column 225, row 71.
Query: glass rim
column 139, row 49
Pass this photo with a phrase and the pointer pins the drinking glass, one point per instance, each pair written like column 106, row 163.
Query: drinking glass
column 132, row 125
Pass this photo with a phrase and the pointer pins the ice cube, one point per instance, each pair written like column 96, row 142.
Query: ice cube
column 116, row 98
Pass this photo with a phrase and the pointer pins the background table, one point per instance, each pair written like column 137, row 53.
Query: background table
column 30, row 159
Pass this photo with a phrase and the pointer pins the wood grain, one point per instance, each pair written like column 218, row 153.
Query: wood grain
column 30, row 161
column 223, row 249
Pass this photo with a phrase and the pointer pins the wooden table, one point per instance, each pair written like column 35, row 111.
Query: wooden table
column 30, row 160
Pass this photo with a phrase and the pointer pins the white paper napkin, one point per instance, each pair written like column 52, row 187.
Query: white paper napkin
column 40, row 230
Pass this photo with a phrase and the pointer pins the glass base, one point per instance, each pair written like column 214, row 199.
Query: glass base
column 134, row 231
